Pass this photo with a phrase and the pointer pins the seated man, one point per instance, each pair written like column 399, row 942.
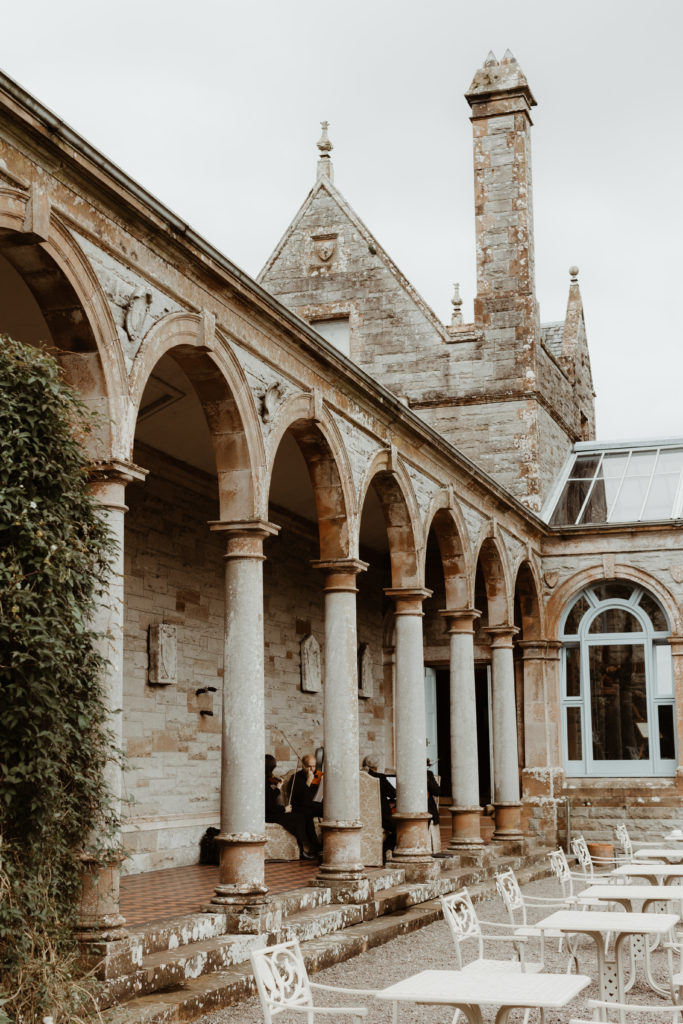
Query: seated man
column 387, row 798
column 293, row 821
column 304, row 790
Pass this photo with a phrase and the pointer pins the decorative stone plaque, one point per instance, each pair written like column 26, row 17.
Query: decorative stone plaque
column 163, row 661
column 311, row 673
column 365, row 671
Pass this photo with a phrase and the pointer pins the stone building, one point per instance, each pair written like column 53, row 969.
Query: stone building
column 311, row 470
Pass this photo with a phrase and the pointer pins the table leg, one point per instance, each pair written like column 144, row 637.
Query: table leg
column 470, row 1011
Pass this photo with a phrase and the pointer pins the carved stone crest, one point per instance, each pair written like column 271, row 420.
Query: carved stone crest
column 365, row 671
column 325, row 248
column 551, row 577
column 311, row 670
column 137, row 309
column 269, row 401
column 163, row 660
column 677, row 573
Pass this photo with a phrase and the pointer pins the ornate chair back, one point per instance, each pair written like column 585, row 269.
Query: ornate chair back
column 581, row 852
column 624, row 840
column 560, row 866
column 461, row 917
column 511, row 894
column 281, row 979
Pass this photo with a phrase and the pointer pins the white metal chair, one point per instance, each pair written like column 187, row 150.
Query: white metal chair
column 587, row 863
column 518, row 903
column 283, row 985
column 624, row 840
column 465, row 926
column 606, row 1011
column 564, row 874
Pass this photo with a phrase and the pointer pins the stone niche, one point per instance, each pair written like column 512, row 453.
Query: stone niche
column 311, row 665
column 163, row 655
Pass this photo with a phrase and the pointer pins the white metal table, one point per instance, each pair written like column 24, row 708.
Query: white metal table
column 626, row 894
column 669, row 854
column 656, row 874
column 622, row 925
column 469, row 992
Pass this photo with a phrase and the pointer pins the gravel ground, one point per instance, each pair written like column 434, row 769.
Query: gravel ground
column 431, row 948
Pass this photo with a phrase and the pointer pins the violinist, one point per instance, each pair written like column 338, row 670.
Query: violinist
column 293, row 821
column 304, row 790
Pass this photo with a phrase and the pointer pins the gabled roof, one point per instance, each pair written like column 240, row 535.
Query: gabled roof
column 324, row 184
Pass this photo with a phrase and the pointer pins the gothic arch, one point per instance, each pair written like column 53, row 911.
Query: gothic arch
column 401, row 517
column 322, row 447
column 447, row 521
column 210, row 364
column 75, row 308
column 557, row 604
column 528, row 591
column 496, row 578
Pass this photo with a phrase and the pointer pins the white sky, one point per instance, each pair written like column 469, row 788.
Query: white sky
column 214, row 106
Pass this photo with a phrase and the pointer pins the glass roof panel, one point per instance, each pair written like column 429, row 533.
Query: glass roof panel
column 621, row 485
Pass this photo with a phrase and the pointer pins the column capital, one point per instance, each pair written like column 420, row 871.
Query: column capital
column 340, row 573
column 245, row 537
column 109, row 479
column 540, row 650
column 501, row 636
column 408, row 600
column 460, row 620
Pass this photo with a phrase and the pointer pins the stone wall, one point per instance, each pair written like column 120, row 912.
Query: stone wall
column 174, row 574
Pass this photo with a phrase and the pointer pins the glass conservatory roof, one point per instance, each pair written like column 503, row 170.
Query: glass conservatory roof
column 618, row 482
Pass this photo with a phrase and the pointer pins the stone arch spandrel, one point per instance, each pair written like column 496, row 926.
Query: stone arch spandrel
column 323, row 450
column 558, row 602
column 528, row 589
column 76, row 311
column 206, row 357
column 401, row 517
column 446, row 519
column 496, row 574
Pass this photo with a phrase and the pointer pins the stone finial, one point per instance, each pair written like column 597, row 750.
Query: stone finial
column 456, row 303
column 495, row 80
column 574, row 274
column 325, row 147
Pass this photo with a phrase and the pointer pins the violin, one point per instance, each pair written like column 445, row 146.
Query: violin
column 317, row 777
column 274, row 781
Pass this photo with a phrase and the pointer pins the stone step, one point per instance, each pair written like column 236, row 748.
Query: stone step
column 208, row 992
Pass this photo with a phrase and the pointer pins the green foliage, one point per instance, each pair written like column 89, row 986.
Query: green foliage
column 54, row 744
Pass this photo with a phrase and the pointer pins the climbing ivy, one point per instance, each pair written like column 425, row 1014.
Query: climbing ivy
column 54, row 744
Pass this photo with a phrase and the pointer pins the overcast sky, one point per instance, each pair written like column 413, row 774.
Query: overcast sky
column 215, row 107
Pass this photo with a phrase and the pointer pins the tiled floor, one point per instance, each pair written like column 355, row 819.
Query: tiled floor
column 157, row 895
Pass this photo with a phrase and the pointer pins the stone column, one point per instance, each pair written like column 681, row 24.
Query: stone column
column 505, row 766
column 100, row 925
column 413, row 848
column 676, row 642
column 543, row 774
column 465, row 811
column 342, row 867
column 241, row 889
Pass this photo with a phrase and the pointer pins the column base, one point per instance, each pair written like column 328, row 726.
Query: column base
column 103, row 940
column 342, row 869
column 241, row 873
column 466, row 830
column 413, row 848
column 508, row 822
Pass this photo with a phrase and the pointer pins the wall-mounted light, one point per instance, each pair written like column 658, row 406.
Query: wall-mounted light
column 205, row 689
column 205, row 712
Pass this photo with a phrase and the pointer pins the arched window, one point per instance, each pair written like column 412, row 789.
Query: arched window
column 617, row 684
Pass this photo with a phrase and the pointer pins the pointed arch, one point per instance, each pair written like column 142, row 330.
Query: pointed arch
column 322, row 447
column 75, row 309
column 446, row 519
column 527, row 595
column 401, row 516
column 223, row 391
column 496, row 577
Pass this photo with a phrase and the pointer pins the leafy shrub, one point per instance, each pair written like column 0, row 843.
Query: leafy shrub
column 54, row 743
